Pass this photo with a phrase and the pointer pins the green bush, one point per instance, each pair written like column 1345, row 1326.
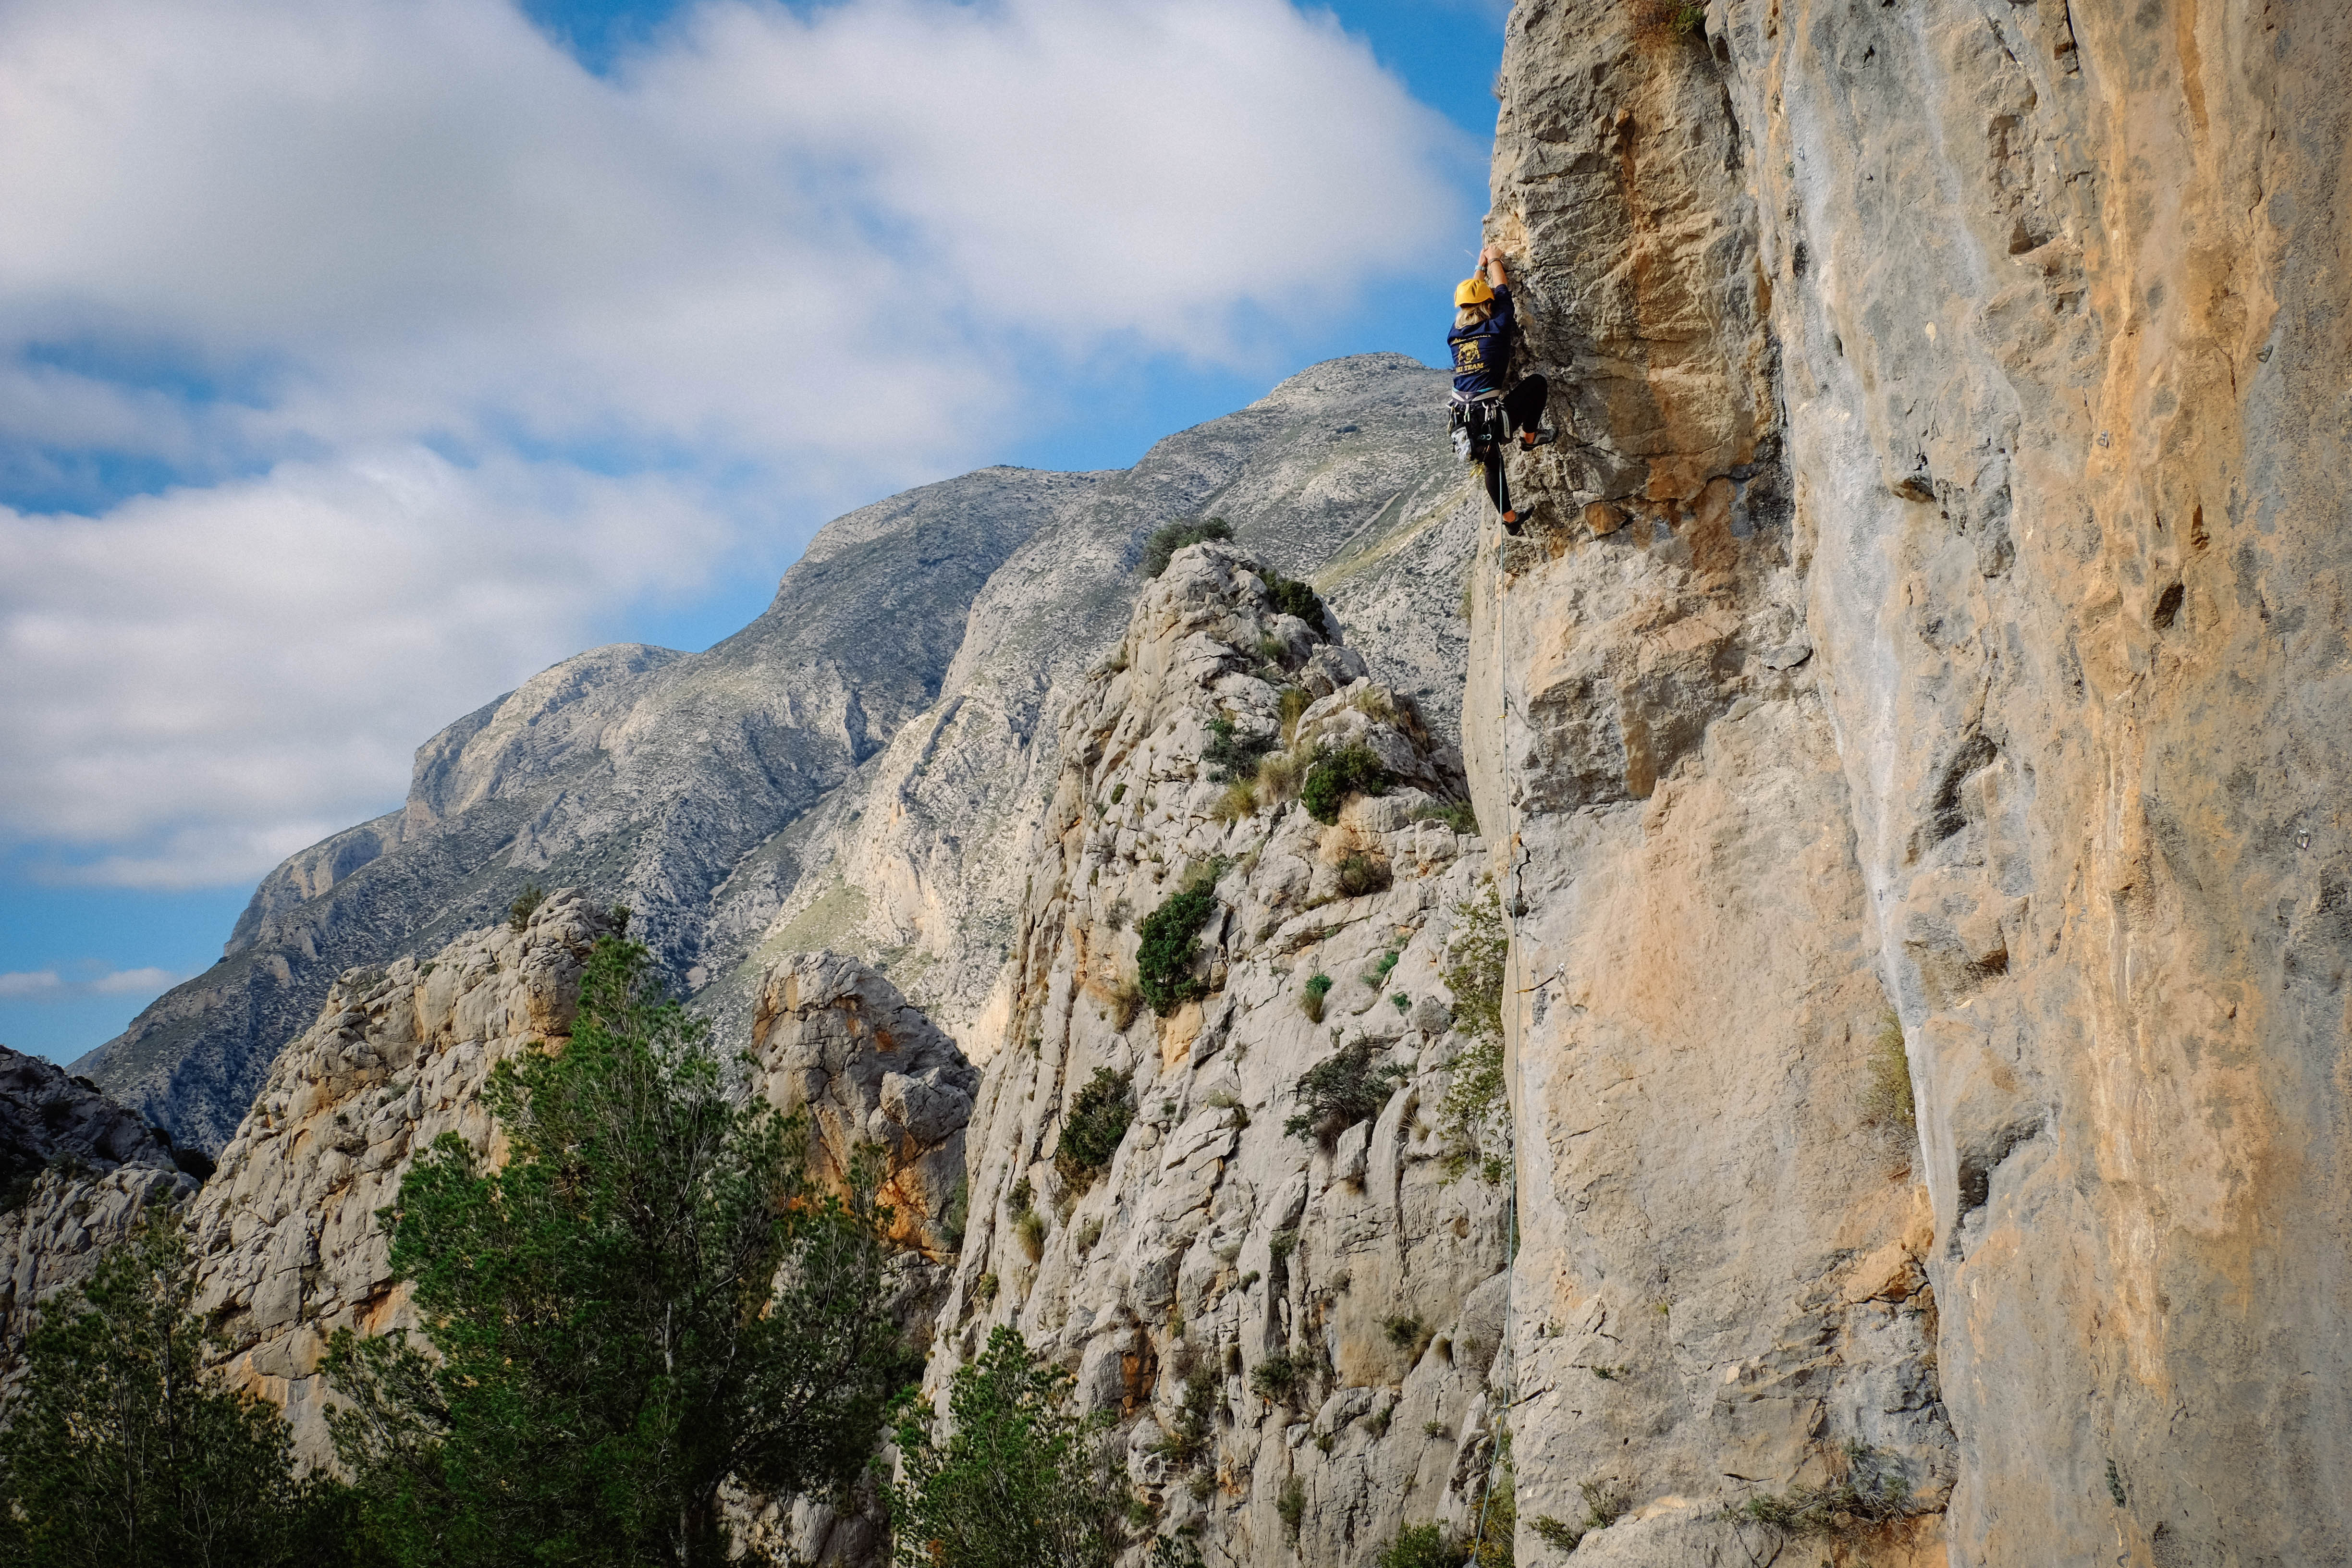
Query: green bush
column 1362, row 874
column 1293, row 597
column 1189, row 1439
column 1234, row 759
column 1275, row 1378
column 1333, row 776
column 1096, row 1124
column 1337, row 1094
column 525, row 904
column 1318, row 988
column 1165, row 543
column 1170, row 945
column 1460, row 816
column 1872, row 1491
column 1291, row 1506
column 959, row 1212
column 1012, row 1478
column 1423, row 1546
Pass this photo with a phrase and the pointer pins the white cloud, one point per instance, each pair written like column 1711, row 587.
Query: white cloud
column 398, row 289
column 211, row 668
column 132, row 981
column 49, row 986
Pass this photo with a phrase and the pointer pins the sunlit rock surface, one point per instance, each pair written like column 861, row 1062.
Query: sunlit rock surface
column 1937, row 603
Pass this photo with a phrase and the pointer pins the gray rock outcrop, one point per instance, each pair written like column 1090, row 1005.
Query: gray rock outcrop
column 837, row 1041
column 1271, row 1315
column 287, row 1243
column 79, row 1170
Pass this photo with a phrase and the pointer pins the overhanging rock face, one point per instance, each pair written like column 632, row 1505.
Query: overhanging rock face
column 1933, row 627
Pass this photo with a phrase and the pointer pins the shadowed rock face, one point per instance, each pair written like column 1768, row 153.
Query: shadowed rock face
column 78, row 1169
column 1937, row 605
column 836, row 1040
column 877, row 729
column 47, row 1116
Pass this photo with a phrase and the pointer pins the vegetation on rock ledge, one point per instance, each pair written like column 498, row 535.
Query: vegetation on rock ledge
column 1096, row 1124
column 1171, row 944
column 1476, row 1116
column 1333, row 776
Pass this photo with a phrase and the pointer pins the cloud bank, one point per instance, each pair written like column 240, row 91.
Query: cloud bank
column 360, row 357
column 49, row 986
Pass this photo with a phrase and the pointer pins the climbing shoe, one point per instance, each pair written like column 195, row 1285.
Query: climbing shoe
column 1530, row 439
column 1511, row 523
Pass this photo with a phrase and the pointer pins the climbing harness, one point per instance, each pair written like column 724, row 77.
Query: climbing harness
column 1482, row 434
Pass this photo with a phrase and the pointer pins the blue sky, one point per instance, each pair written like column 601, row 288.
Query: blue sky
column 360, row 357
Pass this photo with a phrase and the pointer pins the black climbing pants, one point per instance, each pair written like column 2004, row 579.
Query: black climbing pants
column 1523, row 409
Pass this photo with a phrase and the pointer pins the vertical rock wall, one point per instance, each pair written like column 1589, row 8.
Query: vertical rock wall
column 1936, row 601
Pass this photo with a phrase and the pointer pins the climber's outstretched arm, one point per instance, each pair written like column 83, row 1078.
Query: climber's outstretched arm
column 1491, row 258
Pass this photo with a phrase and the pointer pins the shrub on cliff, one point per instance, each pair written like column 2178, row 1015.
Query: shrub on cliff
column 1170, row 945
column 1165, row 543
column 1333, row 776
column 1475, row 1115
column 123, row 1451
column 1095, row 1127
column 1012, row 1478
column 1423, row 1546
column 649, row 1299
column 1232, row 758
column 1293, row 597
column 1337, row 1094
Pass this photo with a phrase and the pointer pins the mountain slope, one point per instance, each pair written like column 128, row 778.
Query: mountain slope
column 696, row 788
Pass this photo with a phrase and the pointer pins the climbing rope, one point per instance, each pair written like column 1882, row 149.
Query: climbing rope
column 1507, row 1353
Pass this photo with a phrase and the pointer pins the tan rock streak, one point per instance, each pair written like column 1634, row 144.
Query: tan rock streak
column 2036, row 317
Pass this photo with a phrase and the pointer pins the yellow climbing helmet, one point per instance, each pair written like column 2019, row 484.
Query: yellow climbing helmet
column 1473, row 290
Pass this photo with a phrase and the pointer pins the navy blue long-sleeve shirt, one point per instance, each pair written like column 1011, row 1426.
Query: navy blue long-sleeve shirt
column 1482, row 354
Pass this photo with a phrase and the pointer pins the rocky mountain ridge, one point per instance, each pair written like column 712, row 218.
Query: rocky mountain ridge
column 856, row 768
column 77, row 1171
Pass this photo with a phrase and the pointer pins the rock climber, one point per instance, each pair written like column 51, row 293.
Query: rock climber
column 1487, row 410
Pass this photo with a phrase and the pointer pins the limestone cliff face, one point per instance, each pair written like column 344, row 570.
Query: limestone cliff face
column 288, row 1246
column 1270, row 1312
column 1937, row 603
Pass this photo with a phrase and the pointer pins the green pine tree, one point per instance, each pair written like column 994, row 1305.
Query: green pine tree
column 1014, row 1481
column 649, row 1300
column 123, row 1451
